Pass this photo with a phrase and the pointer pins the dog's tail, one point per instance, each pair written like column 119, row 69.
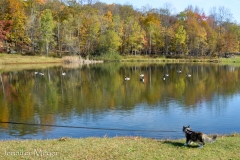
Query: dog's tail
column 208, row 139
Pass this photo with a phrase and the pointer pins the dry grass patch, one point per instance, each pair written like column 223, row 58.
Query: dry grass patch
column 19, row 59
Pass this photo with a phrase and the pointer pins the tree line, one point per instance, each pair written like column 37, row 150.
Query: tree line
column 90, row 28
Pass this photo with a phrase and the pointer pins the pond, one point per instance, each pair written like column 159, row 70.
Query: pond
column 95, row 100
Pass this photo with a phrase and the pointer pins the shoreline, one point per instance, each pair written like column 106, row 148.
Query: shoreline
column 15, row 59
column 12, row 59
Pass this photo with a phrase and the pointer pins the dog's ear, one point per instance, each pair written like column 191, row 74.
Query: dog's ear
column 188, row 126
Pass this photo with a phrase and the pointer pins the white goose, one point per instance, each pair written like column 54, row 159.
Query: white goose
column 41, row 74
column 127, row 78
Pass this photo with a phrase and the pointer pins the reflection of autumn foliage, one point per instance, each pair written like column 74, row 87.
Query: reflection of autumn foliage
column 4, row 115
column 10, row 93
column 47, row 119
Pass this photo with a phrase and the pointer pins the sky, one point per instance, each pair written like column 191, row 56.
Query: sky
column 179, row 5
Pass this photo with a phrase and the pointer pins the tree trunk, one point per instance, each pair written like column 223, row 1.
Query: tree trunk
column 2, row 85
column 47, row 47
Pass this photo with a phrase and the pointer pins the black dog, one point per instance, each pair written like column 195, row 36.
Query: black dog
column 199, row 137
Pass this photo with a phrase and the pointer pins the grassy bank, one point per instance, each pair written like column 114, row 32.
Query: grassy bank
column 226, row 147
column 231, row 61
column 234, row 60
column 19, row 59
column 10, row 62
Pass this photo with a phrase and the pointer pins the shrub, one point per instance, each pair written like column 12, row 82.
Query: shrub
column 109, row 55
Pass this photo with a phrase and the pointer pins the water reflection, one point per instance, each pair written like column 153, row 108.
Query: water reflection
column 97, row 96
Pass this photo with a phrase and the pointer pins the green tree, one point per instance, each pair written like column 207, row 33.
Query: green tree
column 136, row 38
column 180, row 40
column 46, row 29
column 110, row 41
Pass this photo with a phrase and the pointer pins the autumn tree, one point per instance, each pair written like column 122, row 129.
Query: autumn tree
column 5, row 28
column 211, row 36
column 69, row 37
column 15, row 13
column 221, row 17
column 232, row 38
column 196, row 32
column 168, row 21
column 152, row 26
column 128, row 34
column 32, row 10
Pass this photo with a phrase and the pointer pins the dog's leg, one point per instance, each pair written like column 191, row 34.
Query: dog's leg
column 200, row 145
column 187, row 142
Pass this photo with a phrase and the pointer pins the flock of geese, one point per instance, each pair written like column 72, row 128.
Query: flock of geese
column 127, row 78
column 163, row 78
column 42, row 74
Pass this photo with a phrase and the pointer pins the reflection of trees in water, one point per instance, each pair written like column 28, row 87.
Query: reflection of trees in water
column 90, row 90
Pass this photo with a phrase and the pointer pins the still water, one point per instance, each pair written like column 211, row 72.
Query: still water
column 95, row 100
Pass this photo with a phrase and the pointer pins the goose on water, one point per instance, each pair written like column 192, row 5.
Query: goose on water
column 126, row 78
column 141, row 75
column 142, row 80
column 188, row 75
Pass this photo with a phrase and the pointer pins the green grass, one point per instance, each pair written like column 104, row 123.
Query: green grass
column 119, row 148
column 232, row 61
column 163, row 59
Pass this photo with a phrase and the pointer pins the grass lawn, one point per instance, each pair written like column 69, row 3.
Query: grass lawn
column 122, row 148
column 231, row 61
